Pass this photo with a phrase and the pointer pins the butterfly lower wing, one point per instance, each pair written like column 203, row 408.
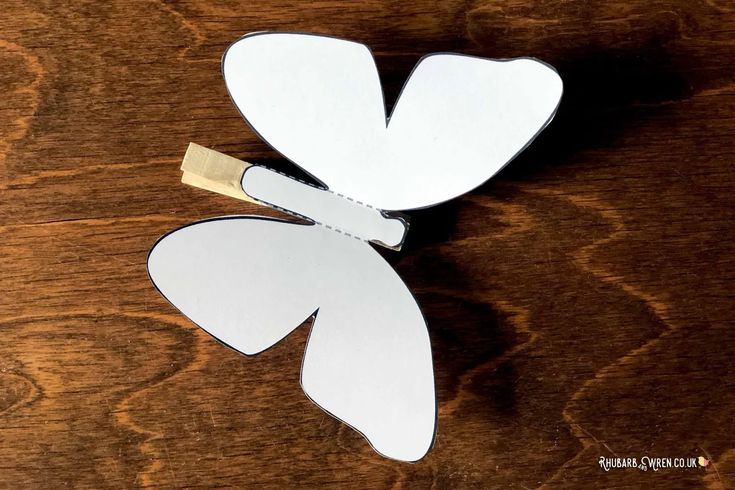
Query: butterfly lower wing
column 368, row 358
column 248, row 281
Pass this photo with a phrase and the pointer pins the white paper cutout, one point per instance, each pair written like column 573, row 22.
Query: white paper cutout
column 323, row 207
column 368, row 358
column 250, row 281
column 458, row 120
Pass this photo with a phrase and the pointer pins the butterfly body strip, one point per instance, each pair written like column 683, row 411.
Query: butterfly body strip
column 214, row 171
column 323, row 207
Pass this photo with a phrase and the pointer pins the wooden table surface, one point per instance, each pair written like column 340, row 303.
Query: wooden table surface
column 580, row 304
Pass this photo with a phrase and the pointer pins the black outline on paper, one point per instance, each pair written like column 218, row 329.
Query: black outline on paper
column 387, row 214
column 313, row 316
column 398, row 99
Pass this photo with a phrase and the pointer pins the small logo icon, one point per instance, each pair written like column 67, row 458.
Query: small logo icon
column 702, row 461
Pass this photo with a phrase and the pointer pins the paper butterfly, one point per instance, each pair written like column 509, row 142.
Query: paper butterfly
column 250, row 280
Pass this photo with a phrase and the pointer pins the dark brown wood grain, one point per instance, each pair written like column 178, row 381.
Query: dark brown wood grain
column 580, row 304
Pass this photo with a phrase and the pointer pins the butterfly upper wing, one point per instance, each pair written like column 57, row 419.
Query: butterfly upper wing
column 458, row 120
column 315, row 99
column 249, row 281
